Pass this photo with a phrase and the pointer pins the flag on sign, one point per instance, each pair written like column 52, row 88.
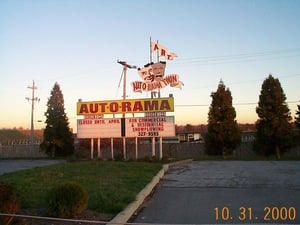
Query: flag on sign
column 163, row 51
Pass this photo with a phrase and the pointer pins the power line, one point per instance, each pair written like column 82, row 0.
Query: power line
column 247, row 81
column 201, row 60
column 243, row 55
column 230, row 61
column 242, row 103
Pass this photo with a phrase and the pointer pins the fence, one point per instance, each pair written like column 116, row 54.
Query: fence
column 21, row 151
column 170, row 150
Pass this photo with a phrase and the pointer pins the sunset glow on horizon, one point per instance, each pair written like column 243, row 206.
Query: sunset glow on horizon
column 78, row 44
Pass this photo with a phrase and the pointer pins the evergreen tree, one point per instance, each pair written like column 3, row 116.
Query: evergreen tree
column 223, row 134
column 58, row 138
column 274, row 128
column 297, row 119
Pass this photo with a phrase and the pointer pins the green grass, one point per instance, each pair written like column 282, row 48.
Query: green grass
column 111, row 185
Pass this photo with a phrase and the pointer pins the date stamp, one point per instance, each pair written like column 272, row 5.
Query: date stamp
column 267, row 214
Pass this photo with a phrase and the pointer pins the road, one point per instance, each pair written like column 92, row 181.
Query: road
column 232, row 192
column 7, row 166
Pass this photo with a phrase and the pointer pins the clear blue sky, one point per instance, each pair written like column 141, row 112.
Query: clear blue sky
column 77, row 43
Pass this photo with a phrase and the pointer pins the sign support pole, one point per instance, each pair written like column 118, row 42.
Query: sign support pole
column 98, row 145
column 124, row 148
column 92, row 148
column 160, row 148
column 112, row 148
column 153, row 146
column 136, row 148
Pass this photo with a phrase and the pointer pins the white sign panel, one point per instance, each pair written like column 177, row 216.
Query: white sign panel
column 150, row 126
column 162, row 126
column 99, row 128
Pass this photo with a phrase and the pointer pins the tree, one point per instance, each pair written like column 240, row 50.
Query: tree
column 297, row 119
column 58, row 138
column 223, row 134
column 274, row 128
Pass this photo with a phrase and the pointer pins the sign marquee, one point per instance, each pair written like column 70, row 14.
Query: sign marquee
column 134, row 127
column 126, row 106
column 150, row 126
column 95, row 128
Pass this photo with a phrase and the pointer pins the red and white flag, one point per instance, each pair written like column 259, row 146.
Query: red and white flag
column 163, row 51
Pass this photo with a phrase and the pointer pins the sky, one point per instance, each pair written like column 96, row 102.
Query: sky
column 77, row 43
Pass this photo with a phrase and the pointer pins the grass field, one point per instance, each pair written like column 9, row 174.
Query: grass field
column 111, row 185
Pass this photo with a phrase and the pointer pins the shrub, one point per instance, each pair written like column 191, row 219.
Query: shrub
column 9, row 203
column 67, row 200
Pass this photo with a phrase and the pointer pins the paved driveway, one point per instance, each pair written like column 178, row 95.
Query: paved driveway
column 7, row 166
column 214, row 192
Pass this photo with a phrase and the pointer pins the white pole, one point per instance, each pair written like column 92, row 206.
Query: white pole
column 92, row 148
column 153, row 146
column 136, row 148
column 160, row 148
column 124, row 148
column 98, row 145
column 112, row 148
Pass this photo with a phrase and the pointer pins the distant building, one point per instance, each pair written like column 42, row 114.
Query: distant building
column 248, row 136
column 190, row 137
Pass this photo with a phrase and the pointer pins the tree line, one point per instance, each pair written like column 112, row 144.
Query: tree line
column 274, row 128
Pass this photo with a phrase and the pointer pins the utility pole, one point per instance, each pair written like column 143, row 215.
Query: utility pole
column 125, row 66
column 32, row 99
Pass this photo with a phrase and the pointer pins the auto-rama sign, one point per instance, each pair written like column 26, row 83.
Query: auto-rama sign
column 126, row 106
column 155, row 123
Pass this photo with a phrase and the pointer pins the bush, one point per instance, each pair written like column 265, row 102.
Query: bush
column 9, row 203
column 67, row 200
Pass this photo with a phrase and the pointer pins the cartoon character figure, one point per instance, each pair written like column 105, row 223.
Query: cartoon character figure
column 152, row 72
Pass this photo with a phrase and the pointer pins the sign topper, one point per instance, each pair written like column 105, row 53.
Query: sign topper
column 153, row 74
